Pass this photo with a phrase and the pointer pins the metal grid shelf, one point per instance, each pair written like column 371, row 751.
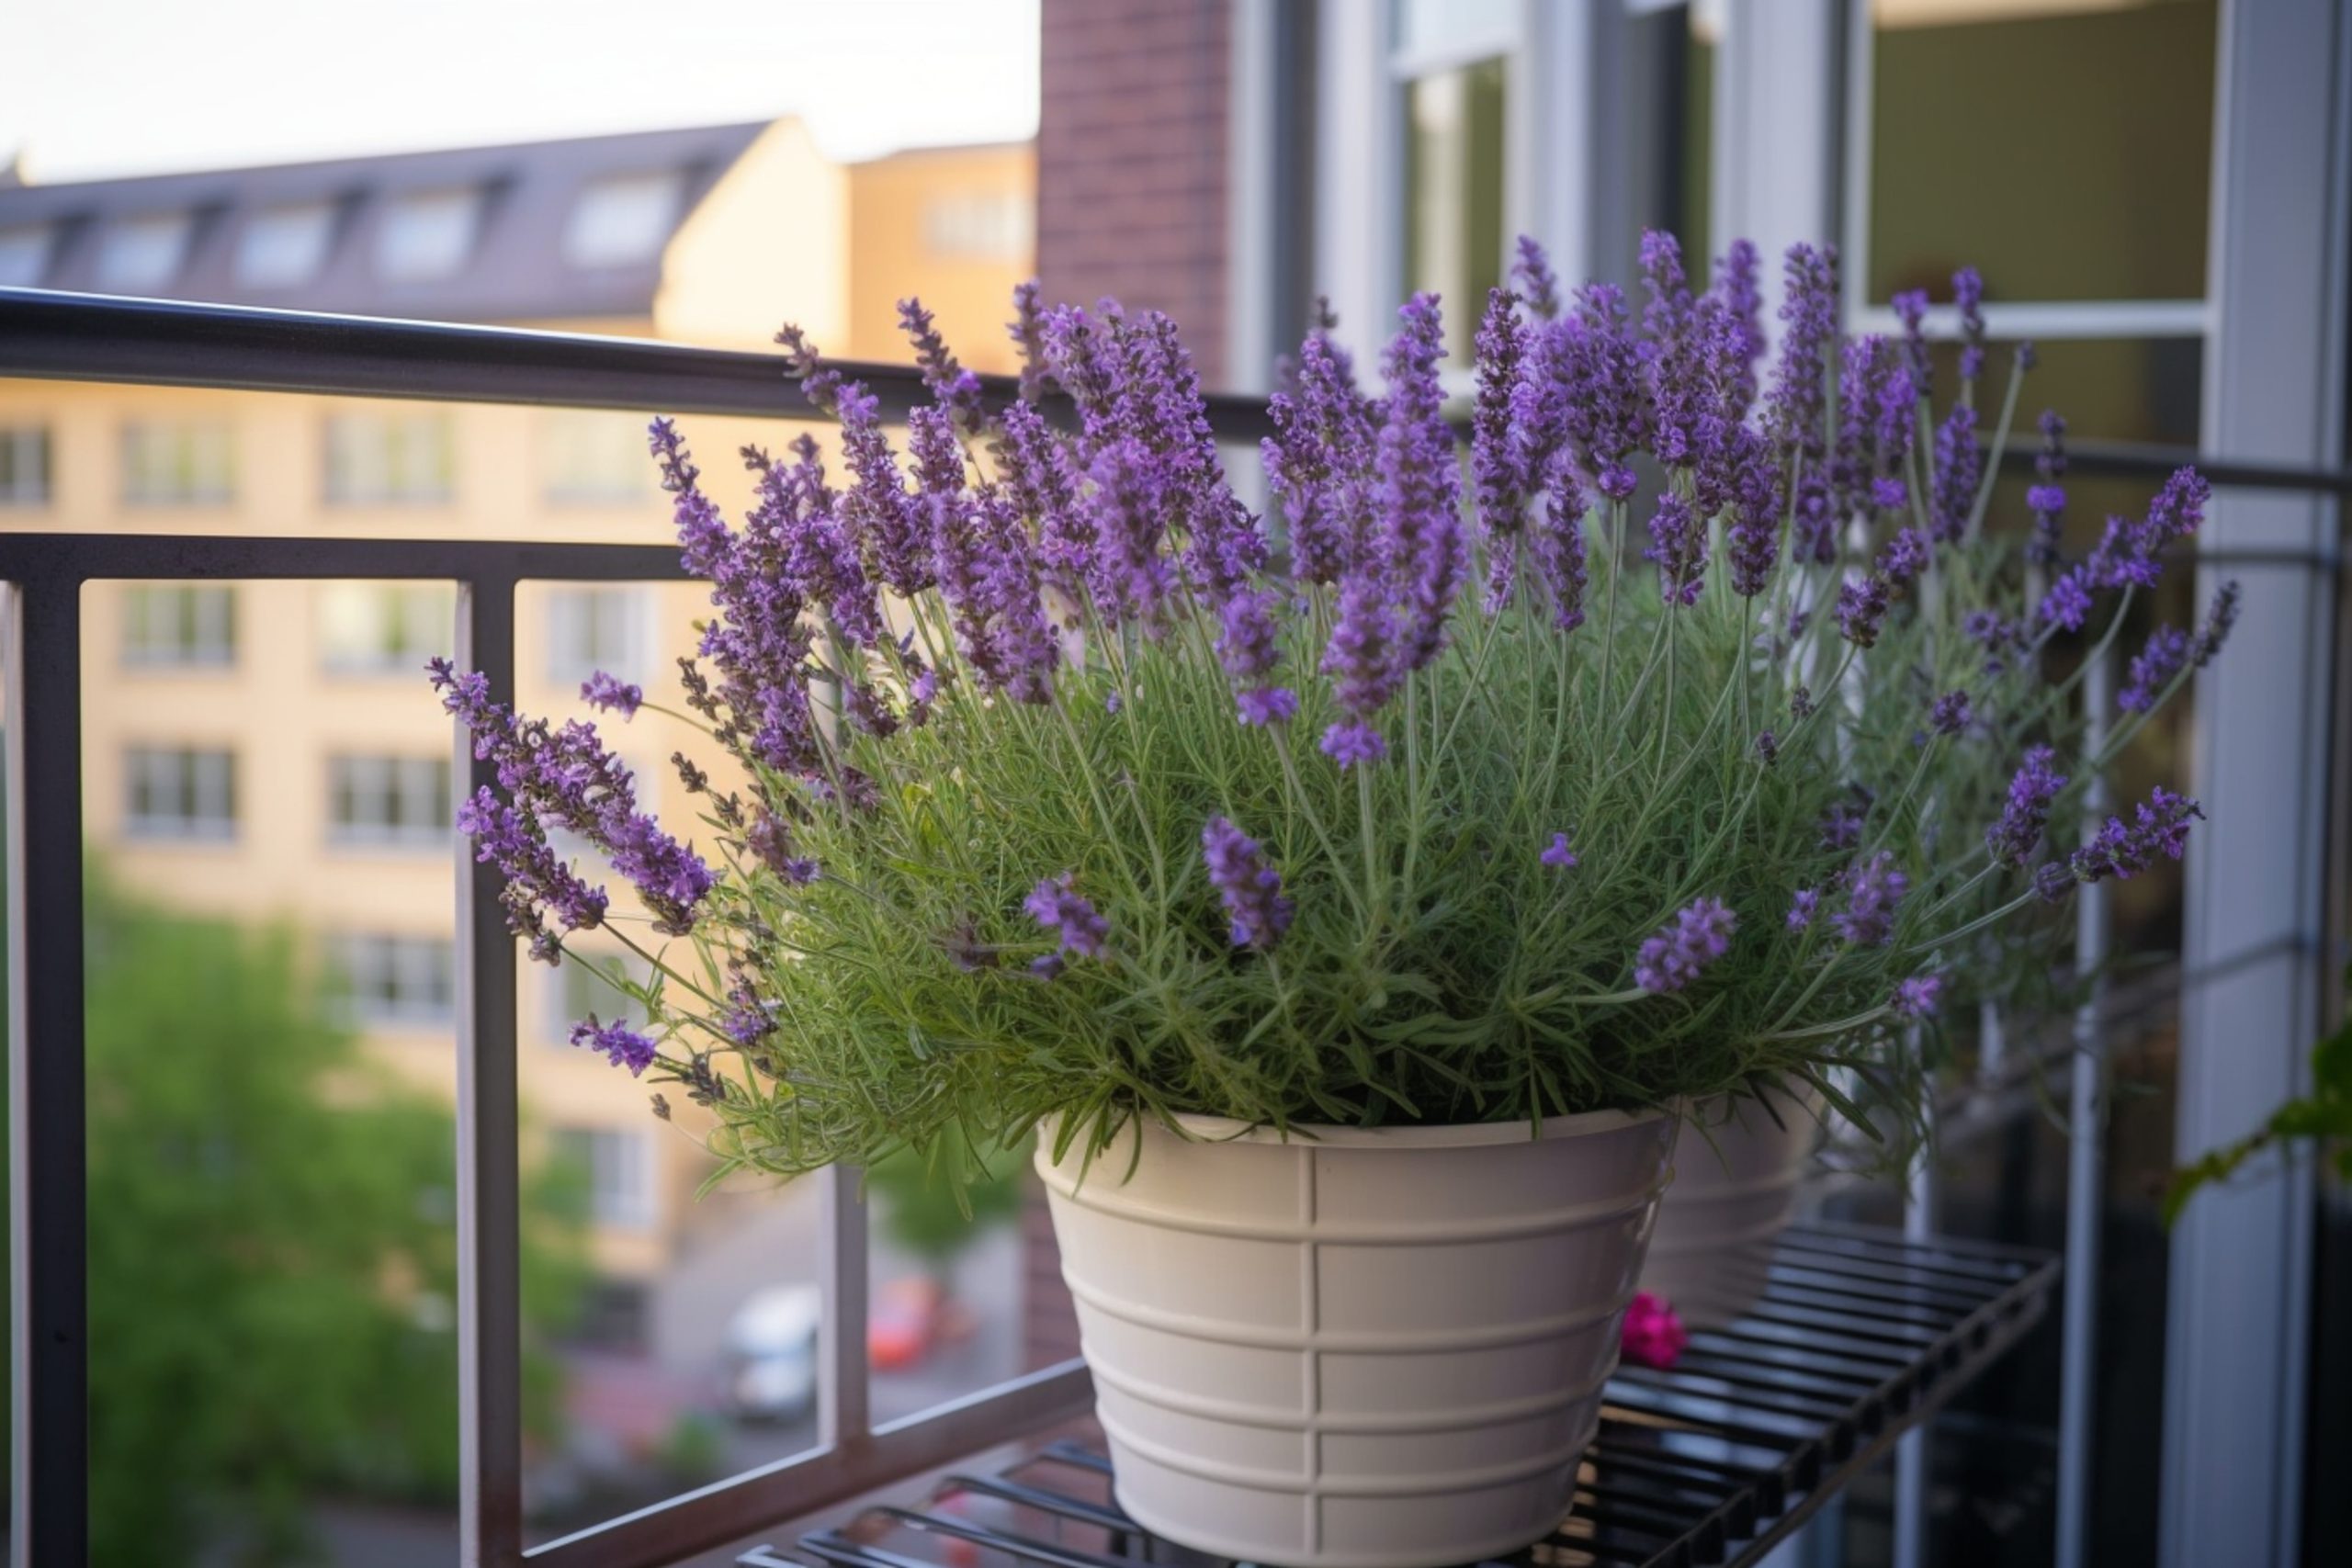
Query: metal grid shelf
column 1859, row 1336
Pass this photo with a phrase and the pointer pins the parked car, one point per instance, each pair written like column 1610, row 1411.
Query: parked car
column 772, row 1354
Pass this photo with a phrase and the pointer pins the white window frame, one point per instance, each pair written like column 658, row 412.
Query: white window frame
column 203, row 637
column 397, row 608
column 32, row 477
column 390, row 457
column 383, row 782
column 200, row 455
column 571, row 607
column 142, row 253
column 426, row 236
column 286, row 246
column 203, row 777
column 625, row 1189
column 624, row 219
column 423, row 974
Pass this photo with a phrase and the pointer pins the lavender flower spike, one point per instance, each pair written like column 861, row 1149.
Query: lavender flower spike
column 602, row 690
column 2035, row 785
column 1557, row 855
column 1251, row 890
column 623, row 1046
column 1873, row 890
column 1917, row 997
column 1802, row 907
column 1695, row 938
column 1054, row 905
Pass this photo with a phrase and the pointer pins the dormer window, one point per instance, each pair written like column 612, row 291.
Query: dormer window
column 282, row 247
column 142, row 255
column 623, row 220
column 428, row 234
column 24, row 254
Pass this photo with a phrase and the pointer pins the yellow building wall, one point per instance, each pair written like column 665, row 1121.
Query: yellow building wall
column 955, row 226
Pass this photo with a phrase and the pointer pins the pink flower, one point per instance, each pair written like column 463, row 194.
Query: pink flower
column 1654, row 1335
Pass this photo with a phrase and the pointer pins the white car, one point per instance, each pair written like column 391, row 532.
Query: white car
column 772, row 1353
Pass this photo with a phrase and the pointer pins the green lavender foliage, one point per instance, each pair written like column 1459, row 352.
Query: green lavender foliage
column 1437, row 970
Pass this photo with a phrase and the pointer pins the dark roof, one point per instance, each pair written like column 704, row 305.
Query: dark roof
column 515, row 269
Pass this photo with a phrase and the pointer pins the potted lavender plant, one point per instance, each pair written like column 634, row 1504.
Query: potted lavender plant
column 1350, row 902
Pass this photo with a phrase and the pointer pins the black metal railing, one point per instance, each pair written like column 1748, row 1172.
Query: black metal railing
column 91, row 339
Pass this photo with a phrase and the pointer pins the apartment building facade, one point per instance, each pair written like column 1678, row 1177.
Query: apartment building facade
column 267, row 751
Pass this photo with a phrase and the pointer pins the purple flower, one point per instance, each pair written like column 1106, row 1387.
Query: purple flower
column 1497, row 464
column 1959, row 465
column 1802, row 907
column 1251, row 890
column 1872, row 890
column 770, row 841
column 1360, row 658
column 1318, row 461
column 2165, row 654
column 1841, row 826
column 1262, row 705
column 538, row 883
column 1559, row 549
column 2068, row 602
column 1950, row 713
column 955, row 389
column 623, row 1046
column 602, row 690
column 1351, row 743
column 1584, row 392
column 1027, row 330
column 1911, row 309
column 1968, row 293
column 2159, row 826
column 2215, row 630
column 1795, row 406
column 1695, row 938
column 1414, row 499
column 2130, row 552
column 2048, row 498
column 1905, row 556
column 2035, row 784
column 1768, row 747
column 1533, row 276
column 1861, row 609
column 1054, row 905
column 1742, row 303
column 1557, row 855
column 1917, row 997
column 1678, row 545
column 1047, row 967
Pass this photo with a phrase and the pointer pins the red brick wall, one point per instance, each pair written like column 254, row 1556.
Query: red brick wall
column 1131, row 160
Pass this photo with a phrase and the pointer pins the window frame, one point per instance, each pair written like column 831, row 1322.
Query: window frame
column 202, row 452
column 195, row 645
column 200, row 771
column 32, row 478
column 394, row 781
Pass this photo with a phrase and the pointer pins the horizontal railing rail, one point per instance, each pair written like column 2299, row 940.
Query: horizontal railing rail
column 79, row 338
column 91, row 337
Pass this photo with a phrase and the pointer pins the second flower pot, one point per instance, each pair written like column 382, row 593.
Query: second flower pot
column 1354, row 1348
column 1736, row 1164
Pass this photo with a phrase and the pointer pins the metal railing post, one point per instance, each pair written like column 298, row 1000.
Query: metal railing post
column 490, row 1345
column 2085, row 1165
column 48, row 1132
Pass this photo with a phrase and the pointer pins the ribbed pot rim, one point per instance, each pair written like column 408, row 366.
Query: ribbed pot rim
column 1450, row 1135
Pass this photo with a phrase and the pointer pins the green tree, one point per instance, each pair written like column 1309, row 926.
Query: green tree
column 272, row 1250
column 937, row 1206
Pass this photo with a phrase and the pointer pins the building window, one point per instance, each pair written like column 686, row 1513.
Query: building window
column 2113, row 109
column 178, row 792
column 178, row 464
column 177, row 624
column 23, row 466
column 375, row 459
column 980, row 226
column 284, row 246
column 140, row 255
column 624, row 219
column 428, row 234
column 594, row 628
column 24, row 254
column 595, row 458
column 387, row 801
column 385, row 628
column 1454, row 186
column 584, row 983
column 397, row 982
column 616, row 1168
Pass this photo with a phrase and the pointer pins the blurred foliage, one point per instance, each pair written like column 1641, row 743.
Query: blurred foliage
column 2322, row 1119
column 936, row 1202
column 272, row 1252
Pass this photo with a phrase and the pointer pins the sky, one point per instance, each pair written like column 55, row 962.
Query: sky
column 92, row 88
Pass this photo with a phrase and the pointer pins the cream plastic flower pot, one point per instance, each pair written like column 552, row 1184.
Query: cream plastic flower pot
column 1374, row 1349
column 1736, row 1175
